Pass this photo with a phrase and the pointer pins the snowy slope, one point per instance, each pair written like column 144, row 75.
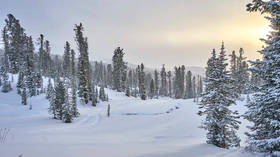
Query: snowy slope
column 136, row 128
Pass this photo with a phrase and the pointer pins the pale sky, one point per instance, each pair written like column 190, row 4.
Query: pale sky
column 156, row 32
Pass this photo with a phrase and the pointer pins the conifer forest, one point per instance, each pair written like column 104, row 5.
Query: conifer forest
column 125, row 79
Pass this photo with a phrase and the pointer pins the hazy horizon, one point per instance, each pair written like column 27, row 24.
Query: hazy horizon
column 179, row 32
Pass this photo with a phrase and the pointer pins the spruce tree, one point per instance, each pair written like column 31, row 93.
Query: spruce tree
column 189, row 89
column 264, row 108
column 73, row 85
column 220, row 122
column 83, row 64
column 163, row 86
column 156, row 83
column 119, row 70
column 66, row 60
column 141, row 76
column 169, row 76
column 152, row 89
column 127, row 91
column 59, row 99
column 49, row 90
column 24, row 96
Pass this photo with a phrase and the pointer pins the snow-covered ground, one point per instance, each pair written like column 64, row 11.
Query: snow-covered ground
column 136, row 128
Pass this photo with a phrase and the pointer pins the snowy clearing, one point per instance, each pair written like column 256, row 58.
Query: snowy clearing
column 160, row 127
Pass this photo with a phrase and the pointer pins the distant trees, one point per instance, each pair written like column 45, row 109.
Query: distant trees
column 239, row 72
column 163, row 86
column 220, row 121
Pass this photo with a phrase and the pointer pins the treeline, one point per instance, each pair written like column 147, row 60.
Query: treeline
column 72, row 79
column 138, row 82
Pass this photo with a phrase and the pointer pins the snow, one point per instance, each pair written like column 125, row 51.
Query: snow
column 160, row 127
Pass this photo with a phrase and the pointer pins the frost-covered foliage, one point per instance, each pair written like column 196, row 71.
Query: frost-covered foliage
column 264, row 108
column 220, row 122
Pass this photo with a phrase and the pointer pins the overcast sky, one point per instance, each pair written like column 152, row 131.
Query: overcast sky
column 173, row 32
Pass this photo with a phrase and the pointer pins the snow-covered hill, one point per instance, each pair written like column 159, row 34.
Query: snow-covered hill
column 136, row 128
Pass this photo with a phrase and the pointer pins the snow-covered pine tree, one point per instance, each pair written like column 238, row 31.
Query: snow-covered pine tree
column 73, row 84
column 102, row 95
column 66, row 60
column 20, row 82
column 242, row 72
column 169, row 76
column 127, row 90
column 49, row 90
column 156, row 83
column 6, row 87
column 220, row 122
column 182, row 81
column 163, row 86
column 119, row 70
column 13, row 38
column 234, row 71
column 188, row 89
column 177, row 82
column 59, row 99
column 152, row 89
column 24, row 96
column 141, row 76
column 67, row 110
column 83, row 64
column 109, row 76
column 264, row 108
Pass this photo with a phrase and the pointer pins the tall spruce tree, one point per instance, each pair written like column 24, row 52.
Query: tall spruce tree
column 119, row 70
column 169, row 76
column 163, row 86
column 189, row 89
column 264, row 108
column 152, row 89
column 156, row 83
column 66, row 60
column 220, row 122
column 83, row 64
column 141, row 76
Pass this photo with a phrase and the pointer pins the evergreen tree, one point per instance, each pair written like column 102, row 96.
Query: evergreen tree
column 6, row 87
column 73, row 85
column 102, row 95
column 119, row 70
column 156, row 83
column 264, row 109
column 189, row 88
column 127, row 91
column 163, row 87
column 59, row 99
column 94, row 96
column 169, row 76
column 66, row 60
column 13, row 37
column 83, row 64
column 141, row 77
column 67, row 111
column 24, row 97
column 20, row 82
column 49, row 90
column 220, row 122
column 152, row 89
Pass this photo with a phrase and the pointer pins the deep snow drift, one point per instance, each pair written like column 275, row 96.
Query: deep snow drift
column 160, row 127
